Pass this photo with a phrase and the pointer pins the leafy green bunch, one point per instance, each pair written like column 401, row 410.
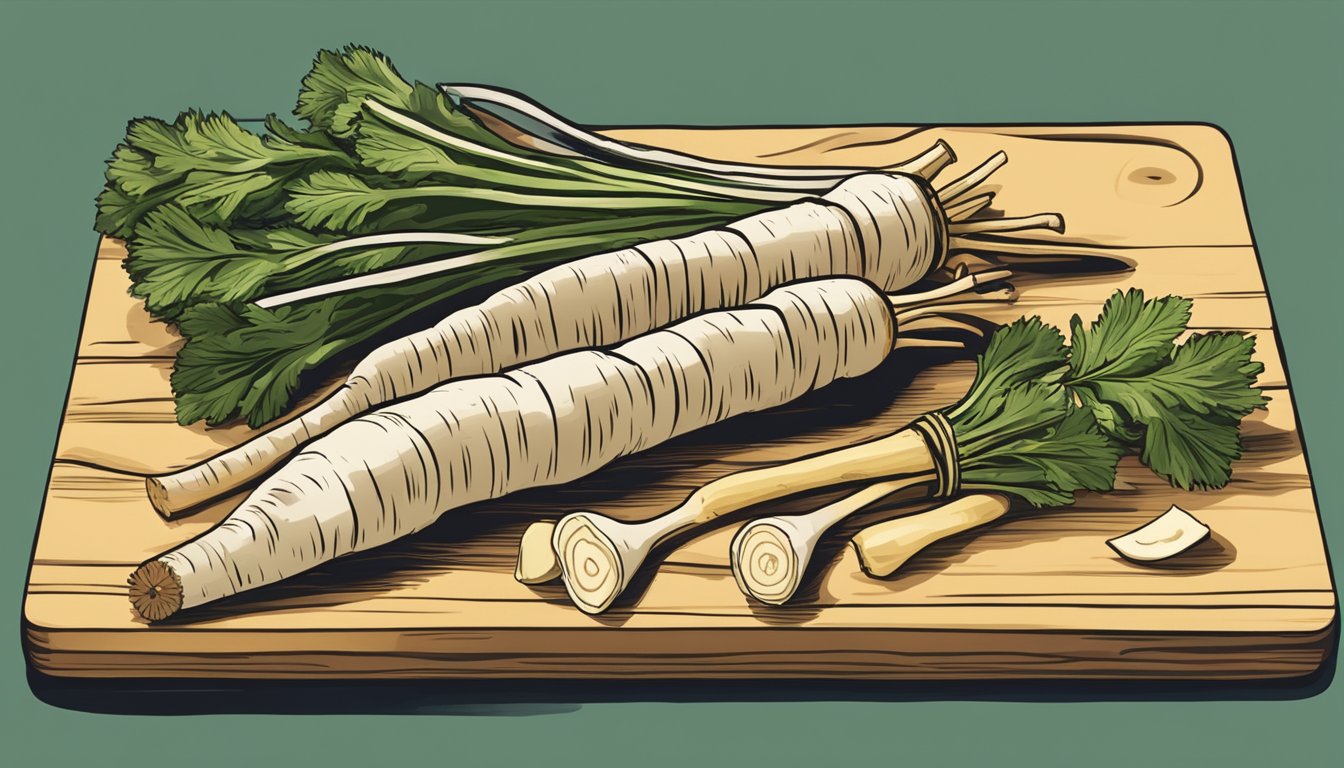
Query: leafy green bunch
column 1045, row 419
column 388, row 173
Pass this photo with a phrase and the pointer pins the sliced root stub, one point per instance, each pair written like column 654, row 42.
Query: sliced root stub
column 537, row 563
column 156, row 592
column 596, row 560
column 766, row 563
column 1167, row 536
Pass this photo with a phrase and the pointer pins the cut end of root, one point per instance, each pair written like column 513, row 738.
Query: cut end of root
column 159, row 497
column 156, row 592
column 766, row 565
column 537, row 563
column 930, row 162
column 590, row 564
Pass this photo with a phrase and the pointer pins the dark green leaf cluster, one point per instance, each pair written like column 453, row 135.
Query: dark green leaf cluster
column 1180, row 404
column 1018, row 430
column 216, row 216
column 1043, row 421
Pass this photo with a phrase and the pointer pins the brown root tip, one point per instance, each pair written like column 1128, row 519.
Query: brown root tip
column 156, row 592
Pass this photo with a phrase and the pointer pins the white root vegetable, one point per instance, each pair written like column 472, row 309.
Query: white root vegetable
column 392, row 472
column 887, row 228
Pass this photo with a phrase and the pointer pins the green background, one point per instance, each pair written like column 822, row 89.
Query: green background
column 1268, row 73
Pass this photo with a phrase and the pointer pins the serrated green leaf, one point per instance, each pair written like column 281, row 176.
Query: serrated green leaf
column 1210, row 374
column 1024, row 350
column 333, row 201
column 212, row 166
column 1191, row 451
column 338, row 78
column 175, row 260
column 1045, row 465
column 1179, row 403
column 1130, row 337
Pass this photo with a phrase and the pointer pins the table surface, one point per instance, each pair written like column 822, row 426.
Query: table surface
column 1040, row 595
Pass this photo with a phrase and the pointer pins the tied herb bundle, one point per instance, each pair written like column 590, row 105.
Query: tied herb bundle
column 230, row 232
column 1179, row 406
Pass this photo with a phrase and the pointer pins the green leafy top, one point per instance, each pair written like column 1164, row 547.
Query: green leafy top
column 211, row 166
column 1180, row 405
column 1042, row 420
column 1018, row 431
column 1048, row 465
column 333, row 93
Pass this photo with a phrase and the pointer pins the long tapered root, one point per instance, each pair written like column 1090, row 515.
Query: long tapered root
column 766, row 563
column 156, row 591
column 175, row 493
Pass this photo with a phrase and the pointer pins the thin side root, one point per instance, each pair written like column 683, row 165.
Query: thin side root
column 928, row 164
column 940, row 322
column 968, row 207
column 1051, row 221
column 907, row 342
column 975, row 178
column 961, row 285
column 969, row 303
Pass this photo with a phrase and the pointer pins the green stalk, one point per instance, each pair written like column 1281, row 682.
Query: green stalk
column 249, row 361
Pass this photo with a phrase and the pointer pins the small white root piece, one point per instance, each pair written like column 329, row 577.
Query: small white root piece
column 885, row 547
column 537, row 563
column 770, row 555
column 1169, row 535
column 598, row 557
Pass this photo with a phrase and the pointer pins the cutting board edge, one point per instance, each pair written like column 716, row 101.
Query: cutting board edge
column 1240, row 655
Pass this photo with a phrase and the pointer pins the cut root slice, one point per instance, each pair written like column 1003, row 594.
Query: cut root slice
column 537, row 563
column 1169, row 535
column 767, row 562
column 597, row 559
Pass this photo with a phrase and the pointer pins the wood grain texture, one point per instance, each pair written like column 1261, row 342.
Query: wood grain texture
column 1033, row 596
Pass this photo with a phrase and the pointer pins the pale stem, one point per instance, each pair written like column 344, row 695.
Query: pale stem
column 548, row 126
column 885, row 547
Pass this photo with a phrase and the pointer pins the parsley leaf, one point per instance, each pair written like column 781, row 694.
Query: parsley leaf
column 1129, row 338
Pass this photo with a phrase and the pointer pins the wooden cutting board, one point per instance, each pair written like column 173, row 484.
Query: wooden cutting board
column 1035, row 596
